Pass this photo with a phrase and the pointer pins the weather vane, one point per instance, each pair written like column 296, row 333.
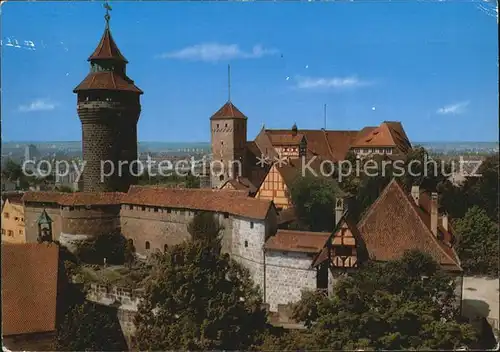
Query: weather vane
column 107, row 16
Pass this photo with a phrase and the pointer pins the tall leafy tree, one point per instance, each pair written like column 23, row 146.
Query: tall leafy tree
column 82, row 325
column 314, row 200
column 404, row 304
column 199, row 299
column 477, row 245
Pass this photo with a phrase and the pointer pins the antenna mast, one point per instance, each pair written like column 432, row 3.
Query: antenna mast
column 229, row 83
column 325, row 115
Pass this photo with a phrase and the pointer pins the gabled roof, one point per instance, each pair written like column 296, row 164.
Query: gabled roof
column 255, row 172
column 107, row 80
column 107, row 49
column 228, row 111
column 323, row 254
column 394, row 224
column 44, row 218
column 29, row 288
column 296, row 241
column 241, row 184
column 388, row 134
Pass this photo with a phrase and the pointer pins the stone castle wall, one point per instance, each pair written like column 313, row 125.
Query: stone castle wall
column 163, row 226
column 287, row 275
column 91, row 221
column 248, row 247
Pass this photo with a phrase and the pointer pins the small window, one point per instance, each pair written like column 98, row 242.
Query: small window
column 20, row 232
column 226, row 215
column 10, row 233
column 225, row 125
column 217, row 125
column 169, row 211
column 3, row 231
column 222, row 142
column 143, row 208
column 221, row 177
column 156, row 210
column 147, row 245
column 16, row 218
column 165, row 247
column 71, row 208
column 131, row 207
column 246, row 244
column 22, row 219
column 130, row 242
column 251, row 225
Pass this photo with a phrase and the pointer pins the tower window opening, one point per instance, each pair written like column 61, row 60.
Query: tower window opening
column 225, row 125
column 147, row 245
column 246, row 244
column 217, row 125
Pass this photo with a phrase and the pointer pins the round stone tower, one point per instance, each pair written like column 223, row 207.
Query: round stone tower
column 109, row 106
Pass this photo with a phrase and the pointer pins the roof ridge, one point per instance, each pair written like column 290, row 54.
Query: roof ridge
column 429, row 231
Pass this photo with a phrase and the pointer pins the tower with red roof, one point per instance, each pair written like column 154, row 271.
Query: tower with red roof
column 108, row 104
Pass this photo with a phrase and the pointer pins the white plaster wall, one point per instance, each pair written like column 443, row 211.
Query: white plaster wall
column 480, row 298
column 247, row 247
column 287, row 275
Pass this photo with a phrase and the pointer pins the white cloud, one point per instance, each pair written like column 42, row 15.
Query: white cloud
column 453, row 109
column 329, row 82
column 37, row 105
column 213, row 52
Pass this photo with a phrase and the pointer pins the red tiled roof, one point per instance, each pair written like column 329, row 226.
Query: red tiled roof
column 286, row 216
column 224, row 201
column 88, row 198
column 42, row 197
column 228, row 110
column 289, row 138
column 242, row 184
column 394, row 224
column 107, row 49
column 388, row 134
column 29, row 288
column 297, row 241
column 13, row 197
column 107, row 80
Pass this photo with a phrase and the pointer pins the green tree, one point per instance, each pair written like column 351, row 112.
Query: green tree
column 314, row 200
column 483, row 190
column 192, row 181
column 111, row 246
column 199, row 299
column 477, row 245
column 83, row 326
column 404, row 304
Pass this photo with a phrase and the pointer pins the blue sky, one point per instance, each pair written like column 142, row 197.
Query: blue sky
column 432, row 66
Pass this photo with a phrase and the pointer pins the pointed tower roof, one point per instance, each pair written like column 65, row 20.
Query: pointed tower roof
column 107, row 48
column 44, row 218
column 228, row 111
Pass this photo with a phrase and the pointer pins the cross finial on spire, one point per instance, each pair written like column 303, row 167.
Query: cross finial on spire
column 228, row 83
column 107, row 17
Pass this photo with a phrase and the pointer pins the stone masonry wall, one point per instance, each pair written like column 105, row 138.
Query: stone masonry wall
column 108, row 134
column 91, row 221
column 31, row 215
column 287, row 275
column 162, row 226
column 247, row 247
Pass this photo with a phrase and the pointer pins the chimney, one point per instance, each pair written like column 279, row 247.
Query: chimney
column 415, row 193
column 434, row 213
column 339, row 210
column 444, row 221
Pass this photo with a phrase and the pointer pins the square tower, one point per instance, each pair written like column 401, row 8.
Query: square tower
column 228, row 141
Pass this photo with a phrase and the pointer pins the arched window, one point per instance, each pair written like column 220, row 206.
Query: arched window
column 147, row 245
column 221, row 177
column 165, row 248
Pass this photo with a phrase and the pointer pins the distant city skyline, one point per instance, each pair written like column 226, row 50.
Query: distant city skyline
column 432, row 66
